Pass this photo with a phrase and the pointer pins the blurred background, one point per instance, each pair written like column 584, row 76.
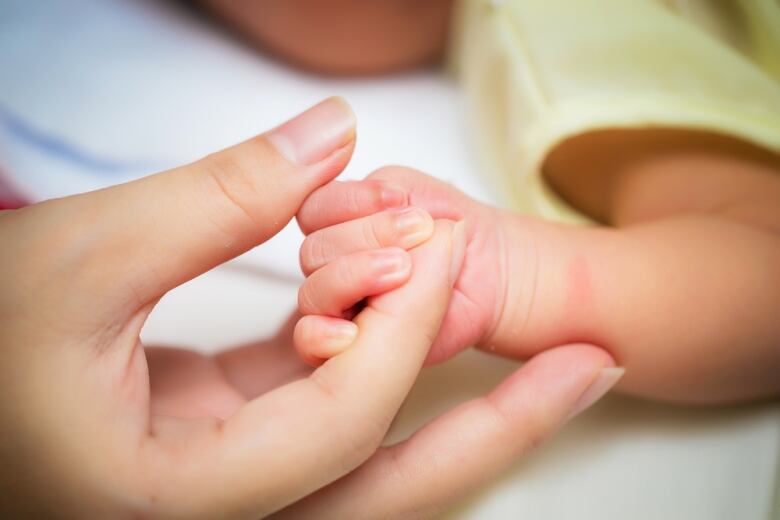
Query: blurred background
column 98, row 92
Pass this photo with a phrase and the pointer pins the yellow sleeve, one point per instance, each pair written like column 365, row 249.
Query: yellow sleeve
column 537, row 72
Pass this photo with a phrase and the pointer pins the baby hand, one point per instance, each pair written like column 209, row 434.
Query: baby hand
column 352, row 261
column 351, row 233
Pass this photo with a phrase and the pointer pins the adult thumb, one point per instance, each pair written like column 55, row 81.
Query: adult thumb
column 150, row 235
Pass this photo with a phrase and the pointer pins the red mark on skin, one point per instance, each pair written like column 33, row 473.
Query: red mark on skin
column 579, row 298
column 581, row 318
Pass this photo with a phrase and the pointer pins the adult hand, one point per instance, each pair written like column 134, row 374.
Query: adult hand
column 82, row 434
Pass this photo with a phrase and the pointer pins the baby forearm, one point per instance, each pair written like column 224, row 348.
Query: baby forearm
column 688, row 305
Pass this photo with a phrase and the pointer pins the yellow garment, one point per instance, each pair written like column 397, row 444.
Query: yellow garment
column 537, row 72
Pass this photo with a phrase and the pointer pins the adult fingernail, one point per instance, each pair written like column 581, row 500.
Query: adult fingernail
column 458, row 251
column 393, row 196
column 414, row 226
column 391, row 265
column 316, row 133
column 339, row 336
column 606, row 379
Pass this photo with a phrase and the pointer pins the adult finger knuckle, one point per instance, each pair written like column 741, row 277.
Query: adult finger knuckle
column 361, row 430
column 538, row 422
column 51, row 248
column 362, row 438
column 233, row 182
column 399, row 467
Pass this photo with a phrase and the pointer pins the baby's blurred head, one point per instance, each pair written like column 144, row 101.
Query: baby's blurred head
column 343, row 36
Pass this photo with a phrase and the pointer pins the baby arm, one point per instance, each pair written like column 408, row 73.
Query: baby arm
column 686, row 289
column 686, row 302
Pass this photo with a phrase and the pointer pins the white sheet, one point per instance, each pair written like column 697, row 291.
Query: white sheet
column 100, row 91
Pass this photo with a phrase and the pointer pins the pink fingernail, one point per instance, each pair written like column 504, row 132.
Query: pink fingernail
column 390, row 265
column 316, row 133
column 607, row 378
column 414, row 226
column 393, row 196
column 340, row 336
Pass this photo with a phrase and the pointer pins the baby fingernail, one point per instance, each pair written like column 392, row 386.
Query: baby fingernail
column 414, row 226
column 316, row 133
column 393, row 196
column 607, row 378
column 391, row 265
column 340, row 336
column 458, row 251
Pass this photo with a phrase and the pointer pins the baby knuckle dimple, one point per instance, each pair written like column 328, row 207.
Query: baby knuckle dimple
column 352, row 199
column 306, row 302
column 350, row 272
column 373, row 231
column 311, row 215
column 305, row 256
column 316, row 251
